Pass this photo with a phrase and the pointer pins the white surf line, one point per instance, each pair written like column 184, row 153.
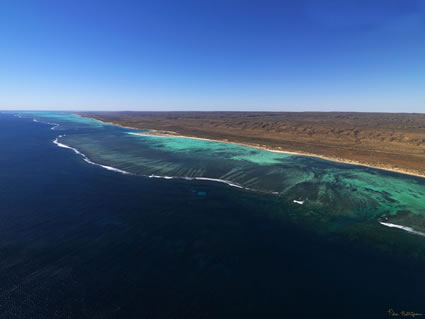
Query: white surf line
column 218, row 180
column 86, row 159
column 54, row 125
column 299, row 202
column 210, row 180
column 163, row 177
column 199, row 179
column 204, row 179
column 405, row 228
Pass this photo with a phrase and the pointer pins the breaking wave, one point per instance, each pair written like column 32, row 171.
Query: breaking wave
column 86, row 159
column 200, row 179
column 405, row 228
column 54, row 125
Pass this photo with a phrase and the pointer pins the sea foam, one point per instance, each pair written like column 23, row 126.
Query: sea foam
column 54, row 125
column 86, row 159
column 198, row 179
column 218, row 180
column 405, row 228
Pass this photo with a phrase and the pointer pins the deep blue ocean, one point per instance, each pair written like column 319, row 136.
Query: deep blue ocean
column 80, row 241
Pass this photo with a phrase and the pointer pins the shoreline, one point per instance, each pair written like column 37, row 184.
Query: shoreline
column 160, row 133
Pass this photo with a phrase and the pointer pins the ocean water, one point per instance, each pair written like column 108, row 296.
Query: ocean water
column 87, row 231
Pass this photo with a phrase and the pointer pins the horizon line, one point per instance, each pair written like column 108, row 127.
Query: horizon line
column 201, row 111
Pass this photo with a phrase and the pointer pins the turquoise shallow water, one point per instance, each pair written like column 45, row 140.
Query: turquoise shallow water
column 66, row 120
column 328, row 190
column 220, row 150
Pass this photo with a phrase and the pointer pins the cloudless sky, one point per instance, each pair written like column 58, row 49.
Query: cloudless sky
column 301, row 55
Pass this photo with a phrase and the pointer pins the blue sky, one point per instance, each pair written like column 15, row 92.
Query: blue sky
column 213, row 55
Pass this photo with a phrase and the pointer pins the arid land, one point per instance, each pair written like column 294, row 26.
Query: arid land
column 391, row 141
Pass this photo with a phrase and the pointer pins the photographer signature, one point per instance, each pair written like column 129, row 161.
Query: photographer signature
column 412, row 314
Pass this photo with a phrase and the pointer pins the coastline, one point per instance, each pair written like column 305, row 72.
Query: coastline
column 160, row 133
